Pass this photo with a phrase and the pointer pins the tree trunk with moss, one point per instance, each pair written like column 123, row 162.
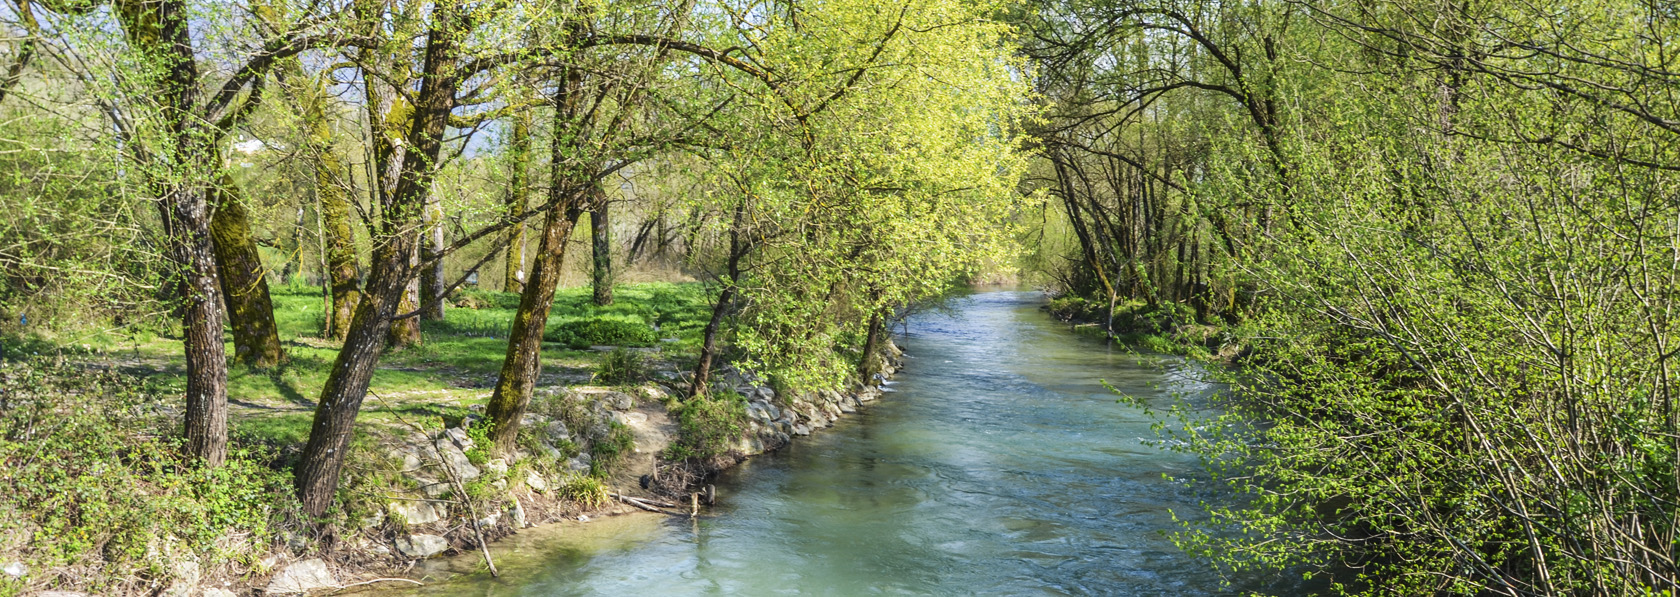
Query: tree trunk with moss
column 244, row 283
column 338, row 234
column 405, row 332
column 600, row 232
column 523, row 362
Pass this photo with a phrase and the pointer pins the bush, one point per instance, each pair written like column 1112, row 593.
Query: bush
column 622, row 367
column 594, row 331
column 709, row 425
column 91, row 484
column 585, row 491
column 607, row 451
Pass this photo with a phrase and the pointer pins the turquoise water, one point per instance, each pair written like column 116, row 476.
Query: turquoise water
column 998, row 464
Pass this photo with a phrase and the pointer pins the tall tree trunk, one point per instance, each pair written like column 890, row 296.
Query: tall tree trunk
column 519, row 192
column 338, row 235
column 600, row 231
column 161, row 29
column 566, row 191
column 523, row 362
column 256, row 338
column 709, row 344
column 871, row 363
column 318, row 469
column 432, row 283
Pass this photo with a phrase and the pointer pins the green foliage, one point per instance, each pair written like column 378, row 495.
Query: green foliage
column 709, row 425
column 583, row 490
column 601, row 330
column 622, row 367
column 91, row 492
column 605, row 452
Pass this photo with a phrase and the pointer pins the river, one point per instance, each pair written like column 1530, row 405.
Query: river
column 998, row 464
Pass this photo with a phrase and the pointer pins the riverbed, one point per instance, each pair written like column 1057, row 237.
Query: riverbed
column 997, row 464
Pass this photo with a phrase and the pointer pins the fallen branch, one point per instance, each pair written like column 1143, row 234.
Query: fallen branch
column 369, row 582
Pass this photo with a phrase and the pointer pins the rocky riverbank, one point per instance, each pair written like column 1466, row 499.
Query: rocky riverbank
column 585, row 452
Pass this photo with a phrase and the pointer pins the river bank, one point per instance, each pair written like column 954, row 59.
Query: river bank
column 427, row 521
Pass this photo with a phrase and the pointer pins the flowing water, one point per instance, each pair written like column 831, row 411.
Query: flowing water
column 999, row 464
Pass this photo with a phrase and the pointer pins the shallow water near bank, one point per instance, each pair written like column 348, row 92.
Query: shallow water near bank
column 998, row 464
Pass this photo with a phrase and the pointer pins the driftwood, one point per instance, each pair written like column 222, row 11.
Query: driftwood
column 644, row 504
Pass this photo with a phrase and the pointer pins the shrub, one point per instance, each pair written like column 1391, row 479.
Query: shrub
column 89, row 480
column 708, row 425
column 584, row 490
column 607, row 451
column 583, row 333
column 622, row 367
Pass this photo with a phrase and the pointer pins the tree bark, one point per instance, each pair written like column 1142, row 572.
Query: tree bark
column 161, row 29
column 405, row 332
column 519, row 192
column 244, row 283
column 600, row 231
column 432, row 283
column 318, row 469
column 338, row 229
column 523, row 362
column 871, row 363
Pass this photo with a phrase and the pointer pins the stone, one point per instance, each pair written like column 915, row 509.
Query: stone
column 517, row 513
column 62, row 594
column 832, row 411
column 583, row 518
column 497, row 467
column 490, row 521
column 458, row 436
column 868, row 394
column 421, row 546
column 535, row 481
column 301, row 577
column 557, row 431
column 456, row 460
column 434, row 489
column 217, row 592
column 499, row 484
column 15, row 569
column 618, row 400
column 801, row 429
column 407, row 456
column 653, row 392
column 629, row 419
column 418, row 512
column 578, row 464
column 846, row 407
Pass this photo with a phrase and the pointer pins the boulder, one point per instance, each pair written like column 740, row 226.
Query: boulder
column 454, row 458
column 535, row 481
column 801, row 429
column 497, row 467
column 301, row 577
column 490, row 520
column 557, row 431
column 517, row 513
column 578, row 464
column 407, row 456
column 15, row 569
column 421, row 546
column 418, row 512
column 458, row 436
